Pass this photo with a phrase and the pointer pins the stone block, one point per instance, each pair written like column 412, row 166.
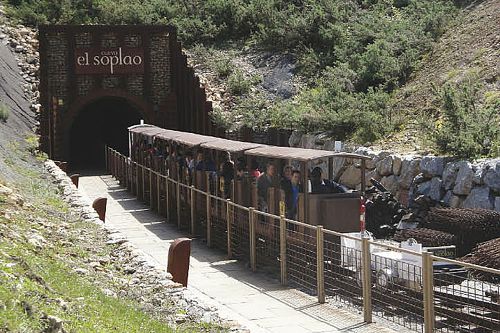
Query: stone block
column 479, row 197
column 464, row 180
column 396, row 165
column 384, row 166
column 432, row 166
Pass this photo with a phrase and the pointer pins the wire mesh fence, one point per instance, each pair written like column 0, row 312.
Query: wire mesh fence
column 240, row 233
column 267, row 242
column 301, row 259
column 405, row 286
column 397, row 292
column 462, row 301
column 218, row 230
column 343, row 270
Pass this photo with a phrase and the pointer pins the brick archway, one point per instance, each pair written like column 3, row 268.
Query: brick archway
column 82, row 109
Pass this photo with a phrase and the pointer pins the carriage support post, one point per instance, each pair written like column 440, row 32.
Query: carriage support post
column 283, row 267
column 253, row 251
column 320, row 264
column 366, row 274
column 428, row 289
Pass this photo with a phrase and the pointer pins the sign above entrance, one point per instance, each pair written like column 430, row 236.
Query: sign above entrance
column 109, row 61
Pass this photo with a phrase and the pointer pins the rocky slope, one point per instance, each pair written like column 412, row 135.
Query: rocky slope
column 470, row 46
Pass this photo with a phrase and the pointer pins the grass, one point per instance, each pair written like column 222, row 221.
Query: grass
column 36, row 283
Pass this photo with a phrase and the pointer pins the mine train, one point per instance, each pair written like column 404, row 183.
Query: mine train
column 164, row 151
column 397, row 269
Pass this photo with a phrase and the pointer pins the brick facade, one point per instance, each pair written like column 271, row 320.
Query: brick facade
column 155, row 91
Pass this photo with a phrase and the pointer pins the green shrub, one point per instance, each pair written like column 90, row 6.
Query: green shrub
column 4, row 112
column 223, row 67
column 467, row 128
column 238, row 84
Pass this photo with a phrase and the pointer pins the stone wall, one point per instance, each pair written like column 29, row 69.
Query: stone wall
column 457, row 183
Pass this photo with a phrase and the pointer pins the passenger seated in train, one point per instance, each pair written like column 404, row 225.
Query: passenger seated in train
column 226, row 170
column 254, row 169
column 264, row 182
column 240, row 171
column 292, row 188
column 189, row 162
column 322, row 186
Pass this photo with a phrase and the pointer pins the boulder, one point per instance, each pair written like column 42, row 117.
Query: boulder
column 436, row 191
column 384, row 166
column 410, row 167
column 424, row 188
column 396, row 165
column 338, row 166
column 450, row 175
column 492, row 176
column 432, row 166
column 479, row 197
column 371, row 174
column 456, row 201
column 370, row 164
column 464, row 180
column 351, row 176
column 308, row 141
column 390, row 183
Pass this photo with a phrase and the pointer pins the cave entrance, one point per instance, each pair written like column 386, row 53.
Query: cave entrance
column 102, row 122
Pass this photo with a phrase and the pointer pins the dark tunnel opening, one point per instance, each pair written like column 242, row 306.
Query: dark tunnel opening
column 100, row 123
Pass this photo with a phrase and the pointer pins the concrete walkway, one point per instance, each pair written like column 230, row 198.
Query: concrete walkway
column 254, row 300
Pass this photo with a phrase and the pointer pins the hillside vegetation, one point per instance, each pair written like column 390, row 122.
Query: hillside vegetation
column 354, row 56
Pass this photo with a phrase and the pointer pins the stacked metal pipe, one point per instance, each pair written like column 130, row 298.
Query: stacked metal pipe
column 427, row 237
column 470, row 226
column 485, row 254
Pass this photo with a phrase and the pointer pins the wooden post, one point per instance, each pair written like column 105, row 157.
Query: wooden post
column 253, row 251
column 193, row 211
column 366, row 275
column 178, row 195
column 229, row 227
column 158, row 192
column 167, row 198
column 143, row 183
column 209, row 219
column 283, row 267
column 151, row 201
column 137, row 180
column 428, row 290
column 320, row 262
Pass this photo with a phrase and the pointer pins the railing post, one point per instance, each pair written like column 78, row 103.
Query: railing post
column 428, row 290
column 209, row 220
column 320, row 263
column 124, row 166
column 143, row 183
column 137, row 180
column 178, row 195
column 366, row 275
column 229, row 227
column 106, row 157
column 253, row 251
column 151, row 201
column 193, row 211
column 283, row 267
column 158, row 192
column 167, row 199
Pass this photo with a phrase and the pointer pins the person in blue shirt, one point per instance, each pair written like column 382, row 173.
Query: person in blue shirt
column 292, row 190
